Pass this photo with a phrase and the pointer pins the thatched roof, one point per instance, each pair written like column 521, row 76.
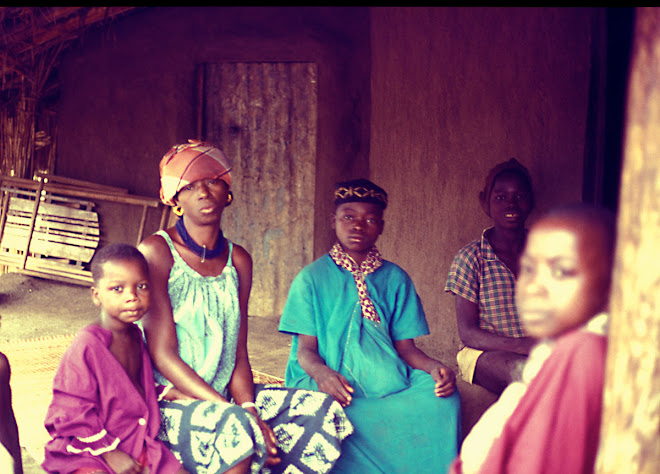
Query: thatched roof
column 31, row 38
column 31, row 42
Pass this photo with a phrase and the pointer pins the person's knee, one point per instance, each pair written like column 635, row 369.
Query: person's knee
column 241, row 414
column 503, row 367
column 500, row 362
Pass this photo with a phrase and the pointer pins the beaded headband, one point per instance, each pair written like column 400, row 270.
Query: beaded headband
column 360, row 190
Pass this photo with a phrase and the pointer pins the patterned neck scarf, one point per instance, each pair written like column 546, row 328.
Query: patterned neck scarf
column 370, row 264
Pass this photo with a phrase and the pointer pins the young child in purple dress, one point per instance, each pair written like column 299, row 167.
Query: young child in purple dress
column 104, row 415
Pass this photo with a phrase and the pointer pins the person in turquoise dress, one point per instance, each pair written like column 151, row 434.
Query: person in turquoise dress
column 353, row 317
column 196, row 333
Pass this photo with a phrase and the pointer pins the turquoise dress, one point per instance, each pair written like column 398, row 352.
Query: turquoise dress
column 207, row 318
column 400, row 425
column 211, row 437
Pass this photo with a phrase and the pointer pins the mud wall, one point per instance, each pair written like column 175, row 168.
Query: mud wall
column 129, row 92
column 424, row 101
column 455, row 91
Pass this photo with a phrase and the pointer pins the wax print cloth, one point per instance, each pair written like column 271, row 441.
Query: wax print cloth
column 212, row 437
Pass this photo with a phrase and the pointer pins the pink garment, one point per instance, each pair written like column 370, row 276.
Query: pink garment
column 96, row 409
column 556, row 425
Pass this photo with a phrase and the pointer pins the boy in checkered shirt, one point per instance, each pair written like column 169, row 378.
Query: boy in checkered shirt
column 482, row 277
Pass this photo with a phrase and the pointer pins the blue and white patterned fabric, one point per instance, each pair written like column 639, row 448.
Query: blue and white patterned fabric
column 210, row 437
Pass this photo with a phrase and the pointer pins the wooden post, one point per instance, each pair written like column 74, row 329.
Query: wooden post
column 33, row 220
column 164, row 216
column 5, row 196
column 630, row 434
column 143, row 221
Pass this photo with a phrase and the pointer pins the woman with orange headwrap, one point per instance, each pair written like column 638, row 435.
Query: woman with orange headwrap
column 196, row 331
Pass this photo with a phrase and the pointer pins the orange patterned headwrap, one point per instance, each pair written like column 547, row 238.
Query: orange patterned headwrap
column 187, row 163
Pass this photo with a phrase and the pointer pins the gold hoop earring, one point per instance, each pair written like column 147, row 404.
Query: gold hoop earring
column 230, row 198
column 177, row 210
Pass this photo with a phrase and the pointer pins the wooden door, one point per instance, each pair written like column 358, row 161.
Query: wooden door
column 264, row 117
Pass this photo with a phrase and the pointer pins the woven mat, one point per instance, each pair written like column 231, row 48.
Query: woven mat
column 33, row 365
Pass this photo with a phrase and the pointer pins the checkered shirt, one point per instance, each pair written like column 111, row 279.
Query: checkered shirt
column 479, row 276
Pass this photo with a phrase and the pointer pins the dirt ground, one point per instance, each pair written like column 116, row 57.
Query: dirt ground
column 33, row 307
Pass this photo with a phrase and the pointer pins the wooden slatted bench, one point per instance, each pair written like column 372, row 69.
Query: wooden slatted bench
column 69, row 231
column 49, row 227
column 62, row 238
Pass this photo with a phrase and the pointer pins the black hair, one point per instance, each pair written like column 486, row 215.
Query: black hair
column 510, row 166
column 113, row 253
column 594, row 216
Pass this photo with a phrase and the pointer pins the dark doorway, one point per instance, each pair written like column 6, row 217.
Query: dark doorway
column 609, row 83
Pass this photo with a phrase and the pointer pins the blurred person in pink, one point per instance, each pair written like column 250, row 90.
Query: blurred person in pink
column 549, row 421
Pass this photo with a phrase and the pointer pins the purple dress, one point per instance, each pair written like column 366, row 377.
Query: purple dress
column 96, row 409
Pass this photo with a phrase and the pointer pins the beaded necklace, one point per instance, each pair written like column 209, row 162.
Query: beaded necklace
column 200, row 250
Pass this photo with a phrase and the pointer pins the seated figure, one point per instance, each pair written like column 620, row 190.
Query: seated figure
column 482, row 276
column 354, row 317
column 549, row 421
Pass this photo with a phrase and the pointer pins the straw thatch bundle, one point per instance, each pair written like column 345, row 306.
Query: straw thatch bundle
column 31, row 41
column 18, row 117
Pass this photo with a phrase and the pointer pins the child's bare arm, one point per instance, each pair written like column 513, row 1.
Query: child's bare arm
column 122, row 463
column 8, row 426
column 445, row 379
column 467, row 319
column 328, row 380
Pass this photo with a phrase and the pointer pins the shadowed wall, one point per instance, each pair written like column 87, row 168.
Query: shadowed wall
column 129, row 93
column 424, row 101
column 455, row 91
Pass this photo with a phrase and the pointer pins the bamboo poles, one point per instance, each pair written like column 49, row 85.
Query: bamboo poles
column 19, row 111
column 31, row 41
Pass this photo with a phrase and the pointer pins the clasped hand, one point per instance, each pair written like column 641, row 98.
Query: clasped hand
column 122, row 463
column 269, row 438
column 445, row 380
